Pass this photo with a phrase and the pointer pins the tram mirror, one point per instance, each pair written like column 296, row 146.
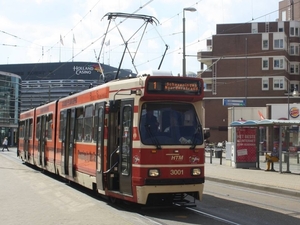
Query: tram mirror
column 206, row 135
column 114, row 106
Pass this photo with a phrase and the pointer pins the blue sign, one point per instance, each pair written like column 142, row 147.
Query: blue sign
column 234, row 102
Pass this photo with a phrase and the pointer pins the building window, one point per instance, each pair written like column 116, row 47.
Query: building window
column 207, row 86
column 265, row 64
column 278, row 43
column 283, row 15
column 278, row 63
column 294, row 68
column 254, row 28
column 294, row 49
column 294, row 31
column 294, row 86
column 278, row 83
column 265, row 83
column 265, row 44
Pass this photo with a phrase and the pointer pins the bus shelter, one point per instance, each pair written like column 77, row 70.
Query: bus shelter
column 252, row 137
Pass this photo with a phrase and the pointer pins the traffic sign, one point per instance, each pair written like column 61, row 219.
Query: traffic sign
column 234, row 102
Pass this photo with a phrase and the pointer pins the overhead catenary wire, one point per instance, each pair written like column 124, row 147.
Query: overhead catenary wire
column 171, row 50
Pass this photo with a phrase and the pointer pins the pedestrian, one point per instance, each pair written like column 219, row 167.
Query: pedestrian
column 5, row 143
column 274, row 157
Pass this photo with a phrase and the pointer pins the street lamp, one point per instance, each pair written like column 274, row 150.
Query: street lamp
column 295, row 93
column 190, row 9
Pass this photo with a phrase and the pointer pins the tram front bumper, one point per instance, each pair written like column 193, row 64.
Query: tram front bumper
column 144, row 191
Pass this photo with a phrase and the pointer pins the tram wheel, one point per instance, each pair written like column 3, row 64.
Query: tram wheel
column 113, row 200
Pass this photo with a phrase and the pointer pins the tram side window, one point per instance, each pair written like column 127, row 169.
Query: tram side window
column 98, row 124
column 126, row 139
column 88, row 123
column 38, row 127
column 21, row 129
column 79, row 125
column 30, row 128
column 62, row 125
column 49, row 126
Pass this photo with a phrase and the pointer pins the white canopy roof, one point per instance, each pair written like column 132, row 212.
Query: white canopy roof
column 266, row 122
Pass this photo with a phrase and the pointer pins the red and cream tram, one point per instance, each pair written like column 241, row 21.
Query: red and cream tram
column 139, row 139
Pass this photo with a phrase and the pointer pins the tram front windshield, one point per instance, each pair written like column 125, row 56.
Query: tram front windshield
column 170, row 124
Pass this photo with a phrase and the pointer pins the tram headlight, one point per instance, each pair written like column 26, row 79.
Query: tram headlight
column 196, row 171
column 153, row 172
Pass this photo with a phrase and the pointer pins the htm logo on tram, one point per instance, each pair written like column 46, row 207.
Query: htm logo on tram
column 177, row 157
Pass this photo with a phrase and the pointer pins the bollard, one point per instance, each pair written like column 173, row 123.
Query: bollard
column 288, row 162
column 211, row 151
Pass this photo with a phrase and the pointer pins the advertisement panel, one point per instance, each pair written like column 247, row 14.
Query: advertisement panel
column 246, row 145
column 285, row 111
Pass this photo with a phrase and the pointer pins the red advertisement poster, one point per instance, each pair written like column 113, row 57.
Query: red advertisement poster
column 245, row 144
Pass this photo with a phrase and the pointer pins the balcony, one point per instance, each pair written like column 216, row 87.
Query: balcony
column 205, row 73
column 205, row 57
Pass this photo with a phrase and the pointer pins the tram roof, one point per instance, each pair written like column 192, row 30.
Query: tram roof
column 265, row 122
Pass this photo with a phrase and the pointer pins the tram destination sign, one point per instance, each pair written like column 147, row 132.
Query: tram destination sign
column 234, row 102
column 174, row 86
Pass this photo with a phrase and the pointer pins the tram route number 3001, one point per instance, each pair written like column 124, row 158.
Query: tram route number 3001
column 176, row 172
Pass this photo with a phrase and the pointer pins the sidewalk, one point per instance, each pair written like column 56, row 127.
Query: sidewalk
column 284, row 183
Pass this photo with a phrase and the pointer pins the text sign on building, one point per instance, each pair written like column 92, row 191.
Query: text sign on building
column 234, row 102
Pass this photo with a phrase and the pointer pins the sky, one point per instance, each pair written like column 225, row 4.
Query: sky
column 36, row 31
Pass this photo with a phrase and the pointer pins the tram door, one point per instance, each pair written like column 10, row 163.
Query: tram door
column 112, row 155
column 68, row 143
column 99, row 122
column 41, row 139
column 125, row 155
column 119, row 146
column 28, row 124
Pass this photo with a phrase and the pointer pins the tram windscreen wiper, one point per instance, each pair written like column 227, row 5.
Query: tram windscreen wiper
column 197, row 133
column 153, row 137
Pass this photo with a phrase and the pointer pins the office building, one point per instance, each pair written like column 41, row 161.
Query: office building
column 10, row 85
column 45, row 82
column 251, row 65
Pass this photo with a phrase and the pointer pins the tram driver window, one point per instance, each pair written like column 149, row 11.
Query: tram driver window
column 177, row 124
column 149, row 123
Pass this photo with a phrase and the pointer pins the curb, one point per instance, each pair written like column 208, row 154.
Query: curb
column 255, row 186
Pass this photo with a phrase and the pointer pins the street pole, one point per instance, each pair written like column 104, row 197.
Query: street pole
column 183, row 46
column 190, row 9
column 288, row 90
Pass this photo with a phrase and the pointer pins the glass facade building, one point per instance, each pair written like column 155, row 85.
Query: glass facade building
column 46, row 82
column 10, row 85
